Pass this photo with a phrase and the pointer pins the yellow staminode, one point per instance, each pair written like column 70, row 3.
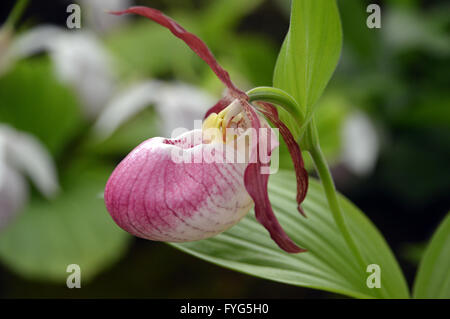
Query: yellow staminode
column 211, row 128
column 215, row 126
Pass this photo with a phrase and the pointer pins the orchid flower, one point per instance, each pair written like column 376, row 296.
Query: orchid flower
column 79, row 60
column 21, row 154
column 178, row 105
column 153, row 195
column 361, row 144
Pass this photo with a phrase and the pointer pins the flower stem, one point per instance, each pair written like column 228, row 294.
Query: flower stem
column 16, row 13
column 278, row 97
column 331, row 194
column 310, row 142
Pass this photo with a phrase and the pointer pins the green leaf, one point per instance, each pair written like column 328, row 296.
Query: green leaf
column 310, row 51
column 433, row 277
column 33, row 100
column 73, row 229
column 328, row 264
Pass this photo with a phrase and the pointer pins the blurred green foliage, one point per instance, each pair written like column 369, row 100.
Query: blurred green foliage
column 145, row 49
column 34, row 101
column 75, row 228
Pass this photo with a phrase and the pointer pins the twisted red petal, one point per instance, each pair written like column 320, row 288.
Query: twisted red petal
column 256, row 185
column 194, row 42
column 271, row 113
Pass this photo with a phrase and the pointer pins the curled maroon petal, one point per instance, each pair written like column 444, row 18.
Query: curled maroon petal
column 256, row 186
column 271, row 113
column 194, row 42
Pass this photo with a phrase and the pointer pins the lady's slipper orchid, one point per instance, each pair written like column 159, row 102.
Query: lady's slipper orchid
column 155, row 193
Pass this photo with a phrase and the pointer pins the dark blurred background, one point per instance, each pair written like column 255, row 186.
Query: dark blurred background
column 396, row 76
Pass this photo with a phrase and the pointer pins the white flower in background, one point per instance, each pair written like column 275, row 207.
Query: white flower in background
column 179, row 105
column 406, row 29
column 94, row 13
column 360, row 144
column 13, row 193
column 80, row 61
column 21, row 155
